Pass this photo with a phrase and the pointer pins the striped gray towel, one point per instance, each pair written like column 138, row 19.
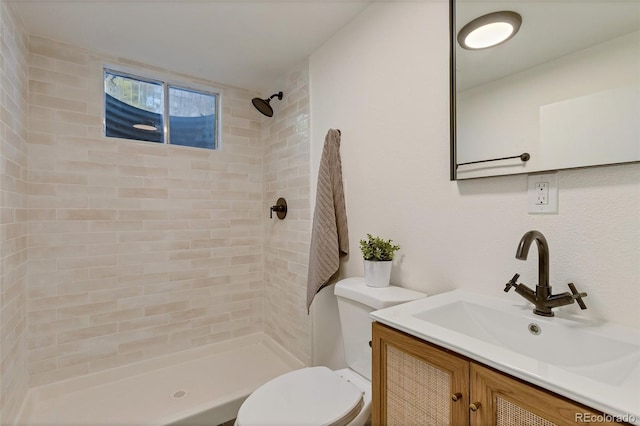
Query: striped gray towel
column 329, row 235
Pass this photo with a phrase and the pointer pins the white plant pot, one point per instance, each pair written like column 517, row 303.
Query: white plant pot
column 377, row 273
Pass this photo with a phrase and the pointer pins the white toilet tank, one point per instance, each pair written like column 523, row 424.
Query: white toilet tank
column 355, row 301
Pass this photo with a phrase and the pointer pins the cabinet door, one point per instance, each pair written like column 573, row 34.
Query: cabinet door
column 415, row 383
column 503, row 401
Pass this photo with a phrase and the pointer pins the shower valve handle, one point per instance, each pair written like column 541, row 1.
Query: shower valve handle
column 280, row 208
column 276, row 209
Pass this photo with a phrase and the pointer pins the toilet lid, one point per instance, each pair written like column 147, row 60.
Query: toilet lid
column 310, row 396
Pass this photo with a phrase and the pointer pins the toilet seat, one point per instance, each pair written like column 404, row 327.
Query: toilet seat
column 309, row 396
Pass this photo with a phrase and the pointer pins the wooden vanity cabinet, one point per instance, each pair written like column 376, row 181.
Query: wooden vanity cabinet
column 417, row 383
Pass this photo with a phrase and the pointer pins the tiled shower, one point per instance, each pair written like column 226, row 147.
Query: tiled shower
column 116, row 251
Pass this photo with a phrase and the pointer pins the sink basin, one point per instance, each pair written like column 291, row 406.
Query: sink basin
column 553, row 342
column 596, row 363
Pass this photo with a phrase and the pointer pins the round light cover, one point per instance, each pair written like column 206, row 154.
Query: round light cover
column 489, row 30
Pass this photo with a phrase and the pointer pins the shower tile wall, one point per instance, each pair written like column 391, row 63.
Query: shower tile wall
column 286, row 166
column 13, row 213
column 135, row 249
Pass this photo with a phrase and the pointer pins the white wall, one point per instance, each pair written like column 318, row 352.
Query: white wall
column 383, row 80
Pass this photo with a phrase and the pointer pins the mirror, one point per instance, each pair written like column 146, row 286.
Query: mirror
column 565, row 89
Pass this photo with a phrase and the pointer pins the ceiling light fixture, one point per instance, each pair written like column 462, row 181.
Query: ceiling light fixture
column 489, row 30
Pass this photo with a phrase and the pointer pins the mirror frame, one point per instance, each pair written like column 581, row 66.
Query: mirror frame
column 453, row 160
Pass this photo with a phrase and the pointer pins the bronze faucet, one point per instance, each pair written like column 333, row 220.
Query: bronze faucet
column 542, row 298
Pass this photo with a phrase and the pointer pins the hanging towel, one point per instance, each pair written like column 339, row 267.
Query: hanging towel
column 329, row 236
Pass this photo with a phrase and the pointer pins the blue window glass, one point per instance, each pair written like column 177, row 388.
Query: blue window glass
column 134, row 109
column 192, row 118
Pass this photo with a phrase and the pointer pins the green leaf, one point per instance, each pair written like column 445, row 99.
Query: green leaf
column 375, row 248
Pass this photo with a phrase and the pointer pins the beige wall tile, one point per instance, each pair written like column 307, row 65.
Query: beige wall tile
column 142, row 193
column 286, row 174
column 86, row 333
column 142, row 323
column 14, row 191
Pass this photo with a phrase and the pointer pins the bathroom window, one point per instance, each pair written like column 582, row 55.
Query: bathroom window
column 137, row 108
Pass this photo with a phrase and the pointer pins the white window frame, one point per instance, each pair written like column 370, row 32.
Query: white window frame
column 166, row 84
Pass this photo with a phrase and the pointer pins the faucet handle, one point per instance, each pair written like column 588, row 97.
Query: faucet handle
column 578, row 296
column 512, row 283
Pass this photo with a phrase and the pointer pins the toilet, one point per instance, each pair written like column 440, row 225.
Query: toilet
column 318, row 395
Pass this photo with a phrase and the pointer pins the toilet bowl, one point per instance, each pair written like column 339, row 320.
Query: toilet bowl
column 316, row 396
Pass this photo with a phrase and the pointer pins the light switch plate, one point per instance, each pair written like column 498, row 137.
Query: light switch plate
column 543, row 193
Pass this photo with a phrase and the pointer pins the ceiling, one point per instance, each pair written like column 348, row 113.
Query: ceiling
column 249, row 44
column 550, row 29
column 252, row 43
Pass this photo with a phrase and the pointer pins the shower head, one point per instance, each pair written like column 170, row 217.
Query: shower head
column 263, row 105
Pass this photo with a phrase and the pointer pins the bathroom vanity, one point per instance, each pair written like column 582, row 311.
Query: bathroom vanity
column 415, row 382
column 445, row 360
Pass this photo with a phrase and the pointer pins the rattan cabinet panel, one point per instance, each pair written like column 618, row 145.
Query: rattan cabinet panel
column 407, row 403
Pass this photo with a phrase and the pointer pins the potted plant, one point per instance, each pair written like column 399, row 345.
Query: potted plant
column 378, row 255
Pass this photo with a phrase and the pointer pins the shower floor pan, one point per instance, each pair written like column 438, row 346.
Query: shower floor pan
column 202, row 386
